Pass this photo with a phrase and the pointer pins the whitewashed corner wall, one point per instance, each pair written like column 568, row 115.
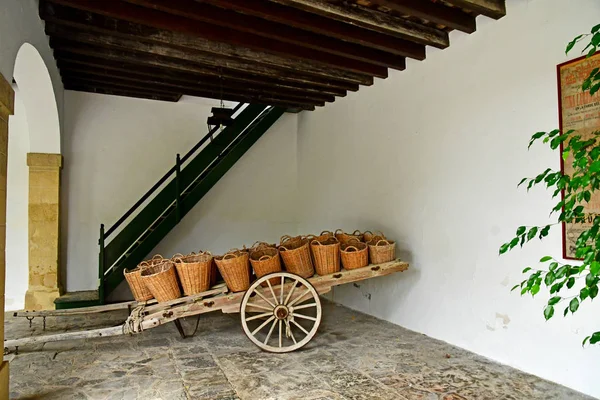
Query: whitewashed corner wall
column 431, row 156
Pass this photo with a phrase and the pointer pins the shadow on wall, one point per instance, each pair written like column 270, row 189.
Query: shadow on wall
column 35, row 128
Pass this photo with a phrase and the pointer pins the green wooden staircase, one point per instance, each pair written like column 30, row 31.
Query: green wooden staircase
column 170, row 199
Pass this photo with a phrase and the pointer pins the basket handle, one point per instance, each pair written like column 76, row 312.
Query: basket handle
column 338, row 229
column 177, row 260
column 382, row 240
column 315, row 242
column 328, row 232
column 357, row 232
column 229, row 255
column 283, row 247
column 264, row 257
column 178, row 255
column 353, row 239
column 348, row 248
column 157, row 257
column 285, row 238
column 205, row 252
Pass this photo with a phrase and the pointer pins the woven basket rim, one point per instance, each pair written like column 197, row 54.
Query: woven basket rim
column 205, row 257
column 359, row 246
column 376, row 244
column 239, row 254
column 158, row 268
column 330, row 241
column 256, row 254
column 301, row 243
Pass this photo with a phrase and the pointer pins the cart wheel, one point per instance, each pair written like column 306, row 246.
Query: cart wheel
column 281, row 317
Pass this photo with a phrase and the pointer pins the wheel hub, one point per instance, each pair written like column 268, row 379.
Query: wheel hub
column 281, row 312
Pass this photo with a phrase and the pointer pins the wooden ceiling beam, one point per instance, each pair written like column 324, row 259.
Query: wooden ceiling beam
column 123, row 92
column 451, row 17
column 177, row 87
column 373, row 20
column 284, row 33
column 211, row 95
column 184, row 32
column 320, row 25
column 87, row 62
column 187, row 59
column 490, row 8
column 175, row 81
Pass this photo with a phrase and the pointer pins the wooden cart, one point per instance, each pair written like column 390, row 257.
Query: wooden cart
column 278, row 317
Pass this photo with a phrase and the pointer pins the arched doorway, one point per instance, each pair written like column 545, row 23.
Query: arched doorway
column 33, row 181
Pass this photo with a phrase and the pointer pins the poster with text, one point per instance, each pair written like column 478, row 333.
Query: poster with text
column 581, row 112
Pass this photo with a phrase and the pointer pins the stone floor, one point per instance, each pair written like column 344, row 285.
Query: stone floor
column 354, row 356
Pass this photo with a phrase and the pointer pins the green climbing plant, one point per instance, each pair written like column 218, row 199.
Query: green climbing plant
column 581, row 279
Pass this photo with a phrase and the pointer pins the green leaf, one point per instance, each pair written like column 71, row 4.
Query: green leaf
column 594, row 89
column 587, row 196
column 504, row 248
column 594, row 30
column 595, row 338
column 591, row 52
column 522, row 181
column 593, row 291
column 532, row 232
column 561, row 272
column 548, row 312
column 570, row 282
column 590, row 280
column 566, row 312
column 554, row 300
column 544, row 231
column 553, row 266
column 585, row 340
column 594, row 268
column 521, row 230
column 572, row 43
column 535, row 289
column 524, row 290
column 514, row 242
column 514, row 287
column 574, row 305
column 584, row 293
column 545, row 258
column 565, row 155
column 549, row 279
column 526, row 269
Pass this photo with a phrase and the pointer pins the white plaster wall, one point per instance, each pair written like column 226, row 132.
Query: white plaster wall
column 431, row 156
column 17, row 239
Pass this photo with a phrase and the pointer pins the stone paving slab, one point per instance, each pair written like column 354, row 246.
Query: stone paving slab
column 353, row 357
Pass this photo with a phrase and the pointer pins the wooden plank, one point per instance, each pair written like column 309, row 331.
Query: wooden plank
column 323, row 26
column 451, row 17
column 187, row 88
column 373, row 20
column 124, row 93
column 174, row 31
column 215, row 93
column 136, row 91
column 491, row 8
column 282, row 32
column 102, row 332
column 120, row 61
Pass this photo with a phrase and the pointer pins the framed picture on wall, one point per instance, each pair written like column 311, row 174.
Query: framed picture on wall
column 579, row 111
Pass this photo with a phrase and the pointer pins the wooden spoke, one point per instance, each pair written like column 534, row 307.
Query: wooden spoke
column 257, row 306
column 263, row 325
column 304, row 316
column 281, row 314
column 264, row 298
column 290, row 293
column 263, row 315
column 300, row 307
column 280, row 336
column 300, row 327
column 299, row 297
column 272, row 292
column 270, row 331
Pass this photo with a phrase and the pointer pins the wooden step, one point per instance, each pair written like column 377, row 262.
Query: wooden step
column 84, row 298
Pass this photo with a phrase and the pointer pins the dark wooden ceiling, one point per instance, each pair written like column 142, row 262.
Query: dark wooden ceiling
column 294, row 53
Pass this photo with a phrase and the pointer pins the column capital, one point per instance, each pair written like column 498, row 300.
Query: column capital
column 44, row 160
column 7, row 99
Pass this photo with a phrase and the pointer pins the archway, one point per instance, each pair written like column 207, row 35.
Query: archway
column 33, row 182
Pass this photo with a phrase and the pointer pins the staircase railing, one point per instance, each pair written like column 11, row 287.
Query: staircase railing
column 108, row 257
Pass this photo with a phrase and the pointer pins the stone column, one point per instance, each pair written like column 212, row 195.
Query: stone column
column 7, row 97
column 44, row 231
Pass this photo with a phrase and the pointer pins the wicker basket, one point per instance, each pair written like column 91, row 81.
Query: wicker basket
column 195, row 272
column 161, row 280
column 265, row 260
column 354, row 254
column 327, row 255
column 296, row 256
column 235, row 268
column 257, row 245
column 382, row 251
column 369, row 236
column 347, row 237
column 136, row 284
